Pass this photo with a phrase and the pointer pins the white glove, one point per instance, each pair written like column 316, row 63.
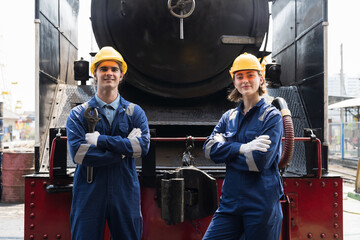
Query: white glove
column 219, row 138
column 91, row 138
column 136, row 132
column 261, row 143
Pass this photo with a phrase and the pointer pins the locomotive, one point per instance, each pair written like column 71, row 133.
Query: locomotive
column 179, row 54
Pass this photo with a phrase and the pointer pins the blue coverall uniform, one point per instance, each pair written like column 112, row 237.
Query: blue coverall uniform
column 249, row 205
column 114, row 195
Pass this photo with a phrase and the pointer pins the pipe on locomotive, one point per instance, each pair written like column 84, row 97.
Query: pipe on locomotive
column 288, row 151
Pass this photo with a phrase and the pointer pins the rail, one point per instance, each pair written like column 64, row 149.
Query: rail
column 318, row 143
column 199, row 139
column 178, row 139
column 52, row 155
column 196, row 139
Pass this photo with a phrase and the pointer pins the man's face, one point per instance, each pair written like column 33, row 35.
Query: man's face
column 108, row 75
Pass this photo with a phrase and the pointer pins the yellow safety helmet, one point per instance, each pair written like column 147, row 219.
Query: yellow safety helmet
column 108, row 54
column 245, row 61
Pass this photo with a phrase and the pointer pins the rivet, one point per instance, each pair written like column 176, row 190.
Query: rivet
column 322, row 184
column 336, row 215
column 32, row 194
column 44, row 183
column 336, row 194
column 336, row 184
column 32, row 236
column 336, row 204
column 284, row 184
column 296, row 184
column 58, row 236
column 336, row 235
column 293, row 223
column 310, row 184
column 336, row 225
column 155, row 197
column 322, row 235
column 32, row 205
column 292, row 203
column 32, row 215
column 45, row 236
column 309, row 235
column 32, row 183
column 32, row 226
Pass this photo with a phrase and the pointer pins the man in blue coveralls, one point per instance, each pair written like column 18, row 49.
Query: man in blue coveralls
column 121, row 135
column 248, row 140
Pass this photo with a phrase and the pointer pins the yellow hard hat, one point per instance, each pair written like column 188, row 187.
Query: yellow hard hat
column 245, row 61
column 108, row 54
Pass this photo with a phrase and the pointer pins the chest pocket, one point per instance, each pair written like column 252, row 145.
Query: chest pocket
column 231, row 126
column 123, row 129
column 124, row 125
column 254, row 131
column 251, row 134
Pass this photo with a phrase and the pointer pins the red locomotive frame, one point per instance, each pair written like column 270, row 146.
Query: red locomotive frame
column 312, row 209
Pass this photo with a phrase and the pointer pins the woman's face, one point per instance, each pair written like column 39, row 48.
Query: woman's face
column 247, row 82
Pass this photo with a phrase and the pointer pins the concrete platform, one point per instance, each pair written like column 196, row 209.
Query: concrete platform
column 11, row 221
column 351, row 214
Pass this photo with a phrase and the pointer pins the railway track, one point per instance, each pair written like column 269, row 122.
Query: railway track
column 347, row 177
column 348, row 174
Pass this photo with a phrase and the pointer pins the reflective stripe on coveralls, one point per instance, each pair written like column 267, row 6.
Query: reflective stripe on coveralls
column 134, row 141
column 81, row 152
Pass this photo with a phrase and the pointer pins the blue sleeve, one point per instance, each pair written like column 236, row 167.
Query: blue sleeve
column 131, row 147
column 81, row 152
column 257, row 160
column 220, row 152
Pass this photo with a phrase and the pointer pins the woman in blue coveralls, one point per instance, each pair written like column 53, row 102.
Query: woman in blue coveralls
column 112, row 193
column 248, row 140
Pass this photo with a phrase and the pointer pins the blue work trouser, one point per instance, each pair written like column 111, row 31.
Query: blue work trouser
column 94, row 204
column 90, row 225
column 225, row 226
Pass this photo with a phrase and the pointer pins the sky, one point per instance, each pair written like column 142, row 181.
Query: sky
column 344, row 29
column 17, row 61
column 17, row 50
column 17, row 41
